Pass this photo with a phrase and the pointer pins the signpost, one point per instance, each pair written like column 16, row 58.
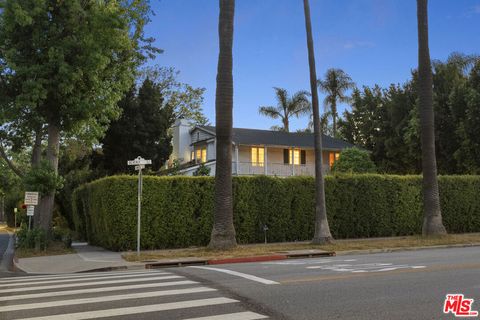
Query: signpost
column 139, row 164
column 31, row 200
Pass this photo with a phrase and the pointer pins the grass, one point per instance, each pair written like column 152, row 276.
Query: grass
column 54, row 248
column 275, row 248
column 4, row 228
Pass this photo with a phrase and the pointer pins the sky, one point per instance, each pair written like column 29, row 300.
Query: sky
column 374, row 41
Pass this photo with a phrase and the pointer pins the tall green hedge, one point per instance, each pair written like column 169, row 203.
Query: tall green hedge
column 177, row 211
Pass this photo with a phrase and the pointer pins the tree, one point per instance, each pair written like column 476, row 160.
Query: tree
column 74, row 60
column 143, row 129
column 432, row 224
column 354, row 160
column 287, row 107
column 335, row 86
column 223, row 232
column 322, row 229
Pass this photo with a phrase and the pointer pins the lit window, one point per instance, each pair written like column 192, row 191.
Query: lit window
column 258, row 156
column 333, row 156
column 296, row 156
column 192, row 156
column 201, row 155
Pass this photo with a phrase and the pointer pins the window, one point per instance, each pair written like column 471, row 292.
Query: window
column 299, row 156
column 201, row 154
column 258, row 156
column 333, row 156
column 192, row 156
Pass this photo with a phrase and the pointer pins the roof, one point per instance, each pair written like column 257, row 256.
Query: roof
column 280, row 138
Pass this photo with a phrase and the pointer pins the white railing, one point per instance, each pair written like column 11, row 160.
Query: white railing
column 276, row 169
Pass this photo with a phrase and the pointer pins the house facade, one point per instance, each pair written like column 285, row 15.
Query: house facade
column 254, row 152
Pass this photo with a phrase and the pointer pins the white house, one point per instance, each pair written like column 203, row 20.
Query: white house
column 254, row 151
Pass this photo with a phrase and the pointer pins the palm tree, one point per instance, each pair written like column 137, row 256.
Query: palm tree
column 287, row 107
column 322, row 229
column 335, row 85
column 432, row 221
column 223, row 231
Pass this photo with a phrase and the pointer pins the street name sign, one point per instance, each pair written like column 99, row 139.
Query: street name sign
column 139, row 161
column 31, row 198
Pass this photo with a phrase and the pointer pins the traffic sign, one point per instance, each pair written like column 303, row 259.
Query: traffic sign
column 30, row 210
column 138, row 161
column 31, row 198
column 142, row 166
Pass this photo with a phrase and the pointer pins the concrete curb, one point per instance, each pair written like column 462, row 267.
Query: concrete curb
column 248, row 259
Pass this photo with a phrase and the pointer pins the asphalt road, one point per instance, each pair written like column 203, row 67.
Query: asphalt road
column 5, row 256
column 401, row 285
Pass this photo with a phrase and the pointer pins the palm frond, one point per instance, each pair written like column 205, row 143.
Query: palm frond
column 270, row 111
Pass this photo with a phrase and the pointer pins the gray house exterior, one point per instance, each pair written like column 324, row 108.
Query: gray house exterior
column 255, row 151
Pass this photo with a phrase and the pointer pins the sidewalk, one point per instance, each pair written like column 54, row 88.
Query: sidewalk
column 87, row 258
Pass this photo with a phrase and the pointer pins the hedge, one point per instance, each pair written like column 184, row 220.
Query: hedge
column 177, row 211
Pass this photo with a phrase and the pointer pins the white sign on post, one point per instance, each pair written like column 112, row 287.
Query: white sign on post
column 139, row 164
column 30, row 210
column 31, row 198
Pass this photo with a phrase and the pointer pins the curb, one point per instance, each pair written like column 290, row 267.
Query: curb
column 248, row 259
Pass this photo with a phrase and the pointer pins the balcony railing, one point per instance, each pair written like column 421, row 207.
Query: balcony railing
column 276, row 169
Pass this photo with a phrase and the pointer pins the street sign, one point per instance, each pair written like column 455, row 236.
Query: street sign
column 142, row 166
column 30, row 210
column 138, row 160
column 31, row 198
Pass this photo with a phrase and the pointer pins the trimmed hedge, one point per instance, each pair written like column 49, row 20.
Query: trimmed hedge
column 177, row 211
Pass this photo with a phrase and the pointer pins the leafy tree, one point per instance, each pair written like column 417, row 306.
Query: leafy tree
column 73, row 59
column 287, row 107
column 322, row 228
column 335, row 85
column 185, row 100
column 223, row 231
column 432, row 224
column 354, row 160
column 143, row 129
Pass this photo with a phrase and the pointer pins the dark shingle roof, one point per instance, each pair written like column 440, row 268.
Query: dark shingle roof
column 279, row 138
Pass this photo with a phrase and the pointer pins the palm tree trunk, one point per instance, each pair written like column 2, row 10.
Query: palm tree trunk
column 432, row 222
column 223, row 232
column 322, row 229
column 286, row 124
column 334, row 118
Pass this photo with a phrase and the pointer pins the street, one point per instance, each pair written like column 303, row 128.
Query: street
column 400, row 285
column 6, row 254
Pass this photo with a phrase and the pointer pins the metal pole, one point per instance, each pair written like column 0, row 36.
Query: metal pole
column 139, row 208
column 29, row 223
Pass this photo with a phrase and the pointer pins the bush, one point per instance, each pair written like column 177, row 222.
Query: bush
column 30, row 239
column 354, row 160
column 177, row 211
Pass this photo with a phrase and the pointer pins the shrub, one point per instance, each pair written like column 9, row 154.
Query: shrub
column 354, row 160
column 177, row 211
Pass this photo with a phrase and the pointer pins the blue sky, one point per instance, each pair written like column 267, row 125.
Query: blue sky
column 374, row 41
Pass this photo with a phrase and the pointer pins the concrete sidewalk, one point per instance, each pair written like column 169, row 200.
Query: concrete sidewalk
column 86, row 258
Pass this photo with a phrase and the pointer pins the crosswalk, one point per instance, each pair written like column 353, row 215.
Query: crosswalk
column 116, row 295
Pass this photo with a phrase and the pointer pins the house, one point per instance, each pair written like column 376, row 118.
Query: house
column 254, row 151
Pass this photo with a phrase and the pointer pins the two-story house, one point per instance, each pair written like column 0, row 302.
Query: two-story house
column 254, row 151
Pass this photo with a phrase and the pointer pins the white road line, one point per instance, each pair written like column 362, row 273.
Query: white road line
column 73, row 275
column 97, row 290
column 135, row 310
column 233, row 316
column 72, row 302
column 80, row 279
column 239, row 274
column 86, row 284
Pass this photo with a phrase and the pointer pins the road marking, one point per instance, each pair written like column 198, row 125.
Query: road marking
column 74, row 275
column 233, row 316
column 80, row 279
column 364, row 267
column 238, row 274
column 135, row 310
column 96, row 290
column 72, row 302
column 86, row 284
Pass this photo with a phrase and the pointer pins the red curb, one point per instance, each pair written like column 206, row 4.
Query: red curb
column 248, row 259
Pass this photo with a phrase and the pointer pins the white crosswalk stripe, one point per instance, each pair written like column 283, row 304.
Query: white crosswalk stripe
column 134, row 294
